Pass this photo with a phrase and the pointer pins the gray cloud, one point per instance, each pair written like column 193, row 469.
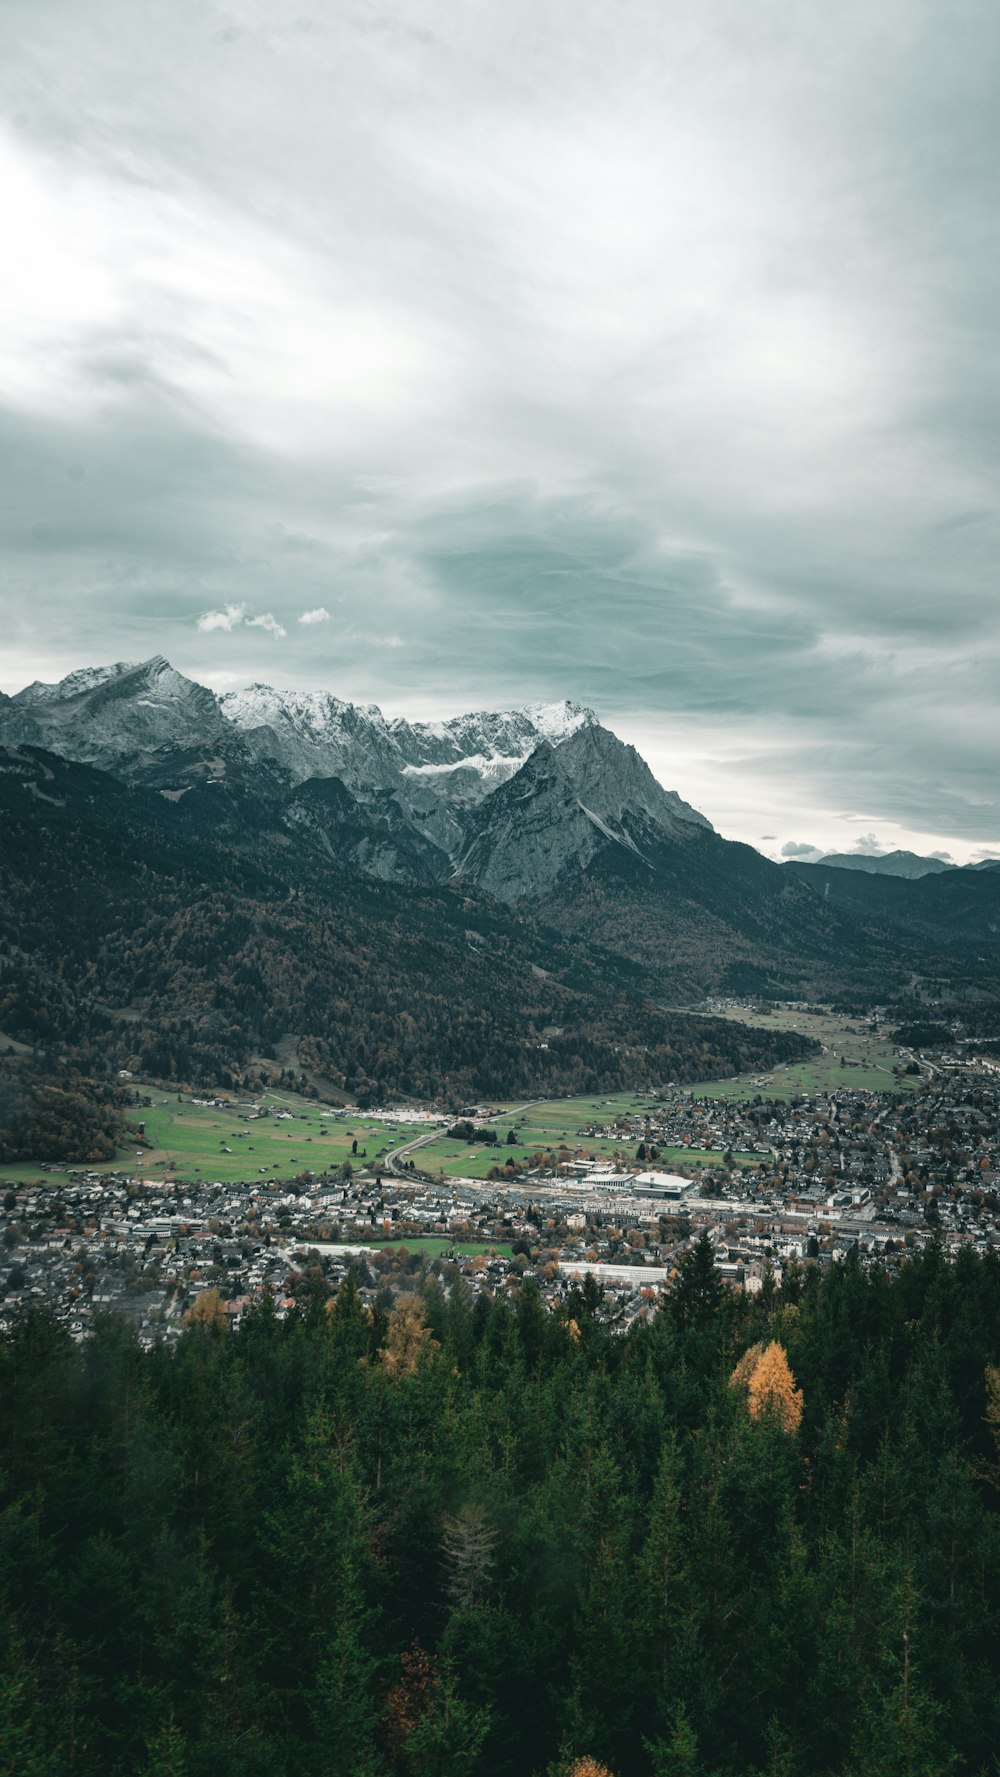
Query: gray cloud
column 657, row 367
column 792, row 849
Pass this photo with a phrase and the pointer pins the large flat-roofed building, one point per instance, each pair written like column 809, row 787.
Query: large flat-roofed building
column 609, row 1181
column 662, row 1184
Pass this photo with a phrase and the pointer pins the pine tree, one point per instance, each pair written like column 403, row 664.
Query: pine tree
column 447, row 1741
column 698, row 1290
column 166, row 1756
column 469, row 1545
column 677, row 1756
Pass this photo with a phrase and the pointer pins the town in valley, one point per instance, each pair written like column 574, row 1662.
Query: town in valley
column 615, row 1190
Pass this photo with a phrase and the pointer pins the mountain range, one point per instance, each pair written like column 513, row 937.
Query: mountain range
column 536, row 826
column 907, row 864
column 147, row 723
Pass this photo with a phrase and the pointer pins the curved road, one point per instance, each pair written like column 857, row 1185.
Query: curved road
column 395, row 1161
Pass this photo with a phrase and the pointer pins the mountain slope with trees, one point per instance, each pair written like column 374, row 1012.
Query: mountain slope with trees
column 199, row 938
column 541, row 808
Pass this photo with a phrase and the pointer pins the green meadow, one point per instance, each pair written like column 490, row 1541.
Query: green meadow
column 194, row 1143
column 855, row 1058
column 557, row 1123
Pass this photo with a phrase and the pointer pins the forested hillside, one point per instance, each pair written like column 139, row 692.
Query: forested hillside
column 69, row 1118
column 751, row 1536
column 197, row 941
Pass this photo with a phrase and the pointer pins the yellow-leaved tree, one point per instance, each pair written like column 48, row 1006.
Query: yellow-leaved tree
column 765, row 1373
column 991, row 1470
column 740, row 1377
column 207, row 1310
column 407, row 1338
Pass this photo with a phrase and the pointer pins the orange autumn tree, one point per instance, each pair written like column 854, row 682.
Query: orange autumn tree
column 991, row 1471
column 408, row 1337
column 765, row 1373
column 740, row 1377
column 207, row 1310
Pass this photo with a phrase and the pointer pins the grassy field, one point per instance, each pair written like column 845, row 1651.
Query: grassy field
column 195, row 1143
column 556, row 1123
column 868, row 1059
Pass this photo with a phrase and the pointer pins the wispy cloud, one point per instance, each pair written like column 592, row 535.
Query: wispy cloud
column 268, row 621
column 231, row 617
column 319, row 615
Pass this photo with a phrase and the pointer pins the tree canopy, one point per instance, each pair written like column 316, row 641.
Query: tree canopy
column 747, row 1537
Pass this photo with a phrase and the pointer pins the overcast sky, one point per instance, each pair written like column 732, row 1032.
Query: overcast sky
column 643, row 353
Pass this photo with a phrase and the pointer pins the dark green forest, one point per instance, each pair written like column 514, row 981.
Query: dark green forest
column 68, row 1117
column 448, row 1536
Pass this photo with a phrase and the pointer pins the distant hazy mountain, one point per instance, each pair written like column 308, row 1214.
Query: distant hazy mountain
column 934, row 913
column 891, row 863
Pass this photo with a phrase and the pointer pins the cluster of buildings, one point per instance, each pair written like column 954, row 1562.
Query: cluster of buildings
column 805, row 1180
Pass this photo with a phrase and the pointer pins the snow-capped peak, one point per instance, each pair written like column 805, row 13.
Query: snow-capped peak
column 109, row 715
column 75, row 684
column 557, row 721
column 314, row 733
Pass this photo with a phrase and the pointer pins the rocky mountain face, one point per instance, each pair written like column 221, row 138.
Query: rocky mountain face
column 211, row 935
column 376, row 837
column 416, row 800
column 564, row 807
column 314, row 734
column 539, row 809
column 116, row 717
column 129, row 717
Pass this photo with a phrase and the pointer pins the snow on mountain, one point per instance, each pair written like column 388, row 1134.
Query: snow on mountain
column 488, row 734
column 561, row 809
column 85, row 678
column 314, row 734
column 423, row 784
column 109, row 716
